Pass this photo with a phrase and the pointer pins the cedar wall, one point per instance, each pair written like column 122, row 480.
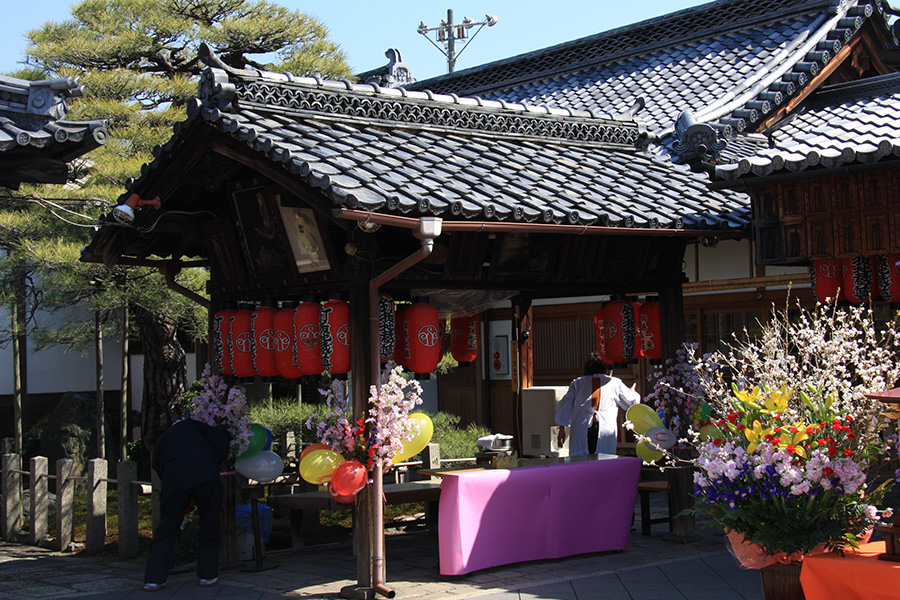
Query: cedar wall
column 836, row 217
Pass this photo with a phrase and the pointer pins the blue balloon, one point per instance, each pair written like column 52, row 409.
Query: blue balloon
column 268, row 444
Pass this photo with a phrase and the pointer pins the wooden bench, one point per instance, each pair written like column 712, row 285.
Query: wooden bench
column 645, row 488
column 304, row 507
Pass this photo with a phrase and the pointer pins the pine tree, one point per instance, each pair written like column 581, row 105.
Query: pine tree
column 138, row 61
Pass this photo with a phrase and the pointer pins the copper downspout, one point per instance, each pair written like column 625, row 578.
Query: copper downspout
column 428, row 228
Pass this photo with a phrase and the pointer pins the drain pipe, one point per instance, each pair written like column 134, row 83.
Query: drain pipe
column 429, row 228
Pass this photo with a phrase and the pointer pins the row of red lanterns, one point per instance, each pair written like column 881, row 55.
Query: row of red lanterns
column 858, row 280
column 309, row 338
column 627, row 330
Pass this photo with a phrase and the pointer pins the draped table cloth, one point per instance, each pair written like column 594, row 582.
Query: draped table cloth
column 857, row 574
column 500, row 516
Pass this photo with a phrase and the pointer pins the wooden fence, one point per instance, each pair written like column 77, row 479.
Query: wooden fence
column 128, row 489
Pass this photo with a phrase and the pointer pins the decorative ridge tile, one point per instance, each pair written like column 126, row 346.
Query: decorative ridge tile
column 228, row 91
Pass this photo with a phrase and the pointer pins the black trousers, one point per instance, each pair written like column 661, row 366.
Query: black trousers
column 592, row 433
column 208, row 498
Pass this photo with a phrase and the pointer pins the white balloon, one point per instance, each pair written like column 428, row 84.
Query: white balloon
column 660, row 438
column 264, row 466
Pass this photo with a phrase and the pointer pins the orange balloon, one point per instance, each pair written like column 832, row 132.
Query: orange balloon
column 310, row 448
column 349, row 477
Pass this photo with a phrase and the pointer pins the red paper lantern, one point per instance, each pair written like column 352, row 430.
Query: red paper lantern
column 309, row 344
column 334, row 331
column 286, row 342
column 859, row 279
column 387, row 332
column 399, row 356
column 464, row 338
column 600, row 332
column 827, row 279
column 888, row 275
column 221, row 327
column 421, row 338
column 651, row 334
column 240, row 343
column 618, row 333
column 262, row 324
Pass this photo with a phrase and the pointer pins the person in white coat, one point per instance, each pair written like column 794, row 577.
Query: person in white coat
column 590, row 409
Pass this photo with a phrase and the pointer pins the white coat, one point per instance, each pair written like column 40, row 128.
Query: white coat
column 576, row 411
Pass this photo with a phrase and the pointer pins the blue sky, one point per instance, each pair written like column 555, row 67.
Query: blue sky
column 365, row 29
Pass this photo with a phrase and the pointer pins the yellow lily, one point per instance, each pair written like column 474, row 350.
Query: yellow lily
column 755, row 435
column 749, row 398
column 778, row 400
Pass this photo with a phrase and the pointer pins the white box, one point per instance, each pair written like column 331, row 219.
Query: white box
column 538, row 427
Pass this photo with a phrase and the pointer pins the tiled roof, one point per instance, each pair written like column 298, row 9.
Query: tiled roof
column 35, row 138
column 728, row 63
column 841, row 125
column 403, row 152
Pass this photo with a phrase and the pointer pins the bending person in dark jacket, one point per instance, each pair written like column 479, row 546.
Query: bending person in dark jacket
column 188, row 458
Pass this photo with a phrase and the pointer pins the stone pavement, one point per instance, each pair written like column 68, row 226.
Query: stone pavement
column 650, row 568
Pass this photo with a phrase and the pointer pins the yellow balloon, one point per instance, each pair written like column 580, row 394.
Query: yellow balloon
column 646, row 453
column 418, row 443
column 643, row 418
column 317, row 466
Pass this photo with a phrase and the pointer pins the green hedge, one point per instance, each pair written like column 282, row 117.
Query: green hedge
column 286, row 414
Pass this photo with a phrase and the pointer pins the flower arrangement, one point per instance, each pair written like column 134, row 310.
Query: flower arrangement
column 788, row 483
column 215, row 403
column 678, row 393
column 379, row 435
column 789, row 442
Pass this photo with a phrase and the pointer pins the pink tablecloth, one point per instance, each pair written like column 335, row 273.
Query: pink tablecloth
column 501, row 516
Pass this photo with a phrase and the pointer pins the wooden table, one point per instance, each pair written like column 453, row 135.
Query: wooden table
column 556, row 508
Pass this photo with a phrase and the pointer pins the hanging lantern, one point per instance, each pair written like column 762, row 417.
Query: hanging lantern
column 888, row 275
column 859, row 279
column 619, row 332
column 221, row 327
column 309, row 345
column 421, row 338
column 399, row 356
column 464, row 338
column 240, row 342
column 262, row 325
column 827, row 279
column 334, row 331
column 651, row 333
column 600, row 332
column 386, row 327
column 286, row 342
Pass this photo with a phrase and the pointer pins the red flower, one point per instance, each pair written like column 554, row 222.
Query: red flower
column 848, row 452
column 832, row 451
column 828, row 471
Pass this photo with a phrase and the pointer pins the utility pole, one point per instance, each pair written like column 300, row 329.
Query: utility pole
column 449, row 32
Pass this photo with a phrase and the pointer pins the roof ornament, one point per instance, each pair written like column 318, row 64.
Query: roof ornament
column 694, row 139
column 393, row 75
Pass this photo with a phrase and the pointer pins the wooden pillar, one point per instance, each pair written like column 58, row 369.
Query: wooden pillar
column 39, row 500
column 95, row 532
column 671, row 316
column 362, row 378
column 522, row 361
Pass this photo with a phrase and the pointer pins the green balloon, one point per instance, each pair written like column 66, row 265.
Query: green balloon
column 259, row 435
